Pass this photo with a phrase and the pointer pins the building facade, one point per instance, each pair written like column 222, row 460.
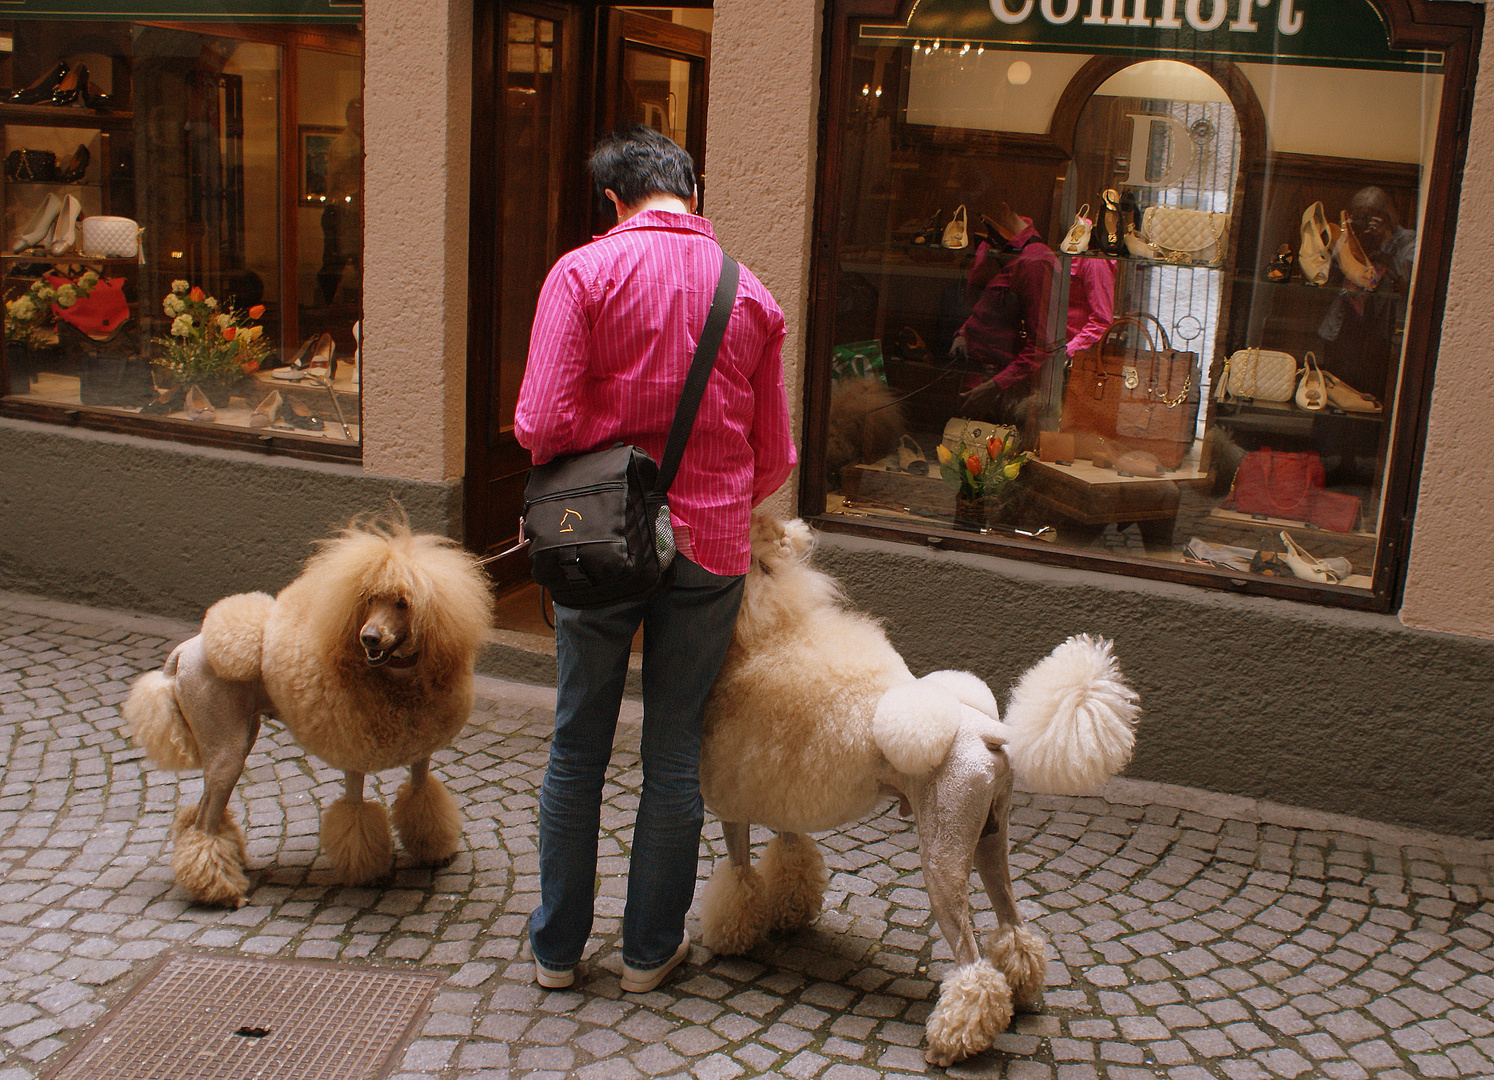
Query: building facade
column 1365, row 697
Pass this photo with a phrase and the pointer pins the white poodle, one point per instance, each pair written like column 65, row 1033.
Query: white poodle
column 367, row 659
column 815, row 719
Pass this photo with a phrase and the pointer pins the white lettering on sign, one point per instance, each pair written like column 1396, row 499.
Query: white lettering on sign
column 1179, row 150
column 1116, row 13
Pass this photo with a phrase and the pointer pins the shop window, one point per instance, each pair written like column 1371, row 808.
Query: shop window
column 1142, row 286
column 183, row 210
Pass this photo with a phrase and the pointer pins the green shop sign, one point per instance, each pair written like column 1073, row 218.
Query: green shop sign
column 252, row 11
column 1320, row 33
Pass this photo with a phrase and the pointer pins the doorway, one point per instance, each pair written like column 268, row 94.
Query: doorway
column 548, row 80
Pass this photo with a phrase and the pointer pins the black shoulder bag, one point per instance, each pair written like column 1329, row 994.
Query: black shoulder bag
column 597, row 524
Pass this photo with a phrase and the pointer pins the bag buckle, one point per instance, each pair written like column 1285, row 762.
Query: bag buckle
column 1132, row 378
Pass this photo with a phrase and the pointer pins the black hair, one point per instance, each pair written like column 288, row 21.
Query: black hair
column 638, row 162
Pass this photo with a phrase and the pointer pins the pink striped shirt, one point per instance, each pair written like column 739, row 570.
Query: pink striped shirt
column 613, row 337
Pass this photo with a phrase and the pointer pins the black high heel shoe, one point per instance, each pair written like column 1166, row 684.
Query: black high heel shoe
column 94, row 98
column 74, row 83
column 42, row 89
column 929, row 234
column 298, row 414
column 75, row 167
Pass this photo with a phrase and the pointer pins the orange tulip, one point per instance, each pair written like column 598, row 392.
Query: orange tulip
column 230, row 332
column 973, row 464
column 256, row 311
column 994, row 446
column 251, row 367
column 197, row 294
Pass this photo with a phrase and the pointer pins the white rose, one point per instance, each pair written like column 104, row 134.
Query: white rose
column 45, row 294
column 223, row 320
column 23, row 308
column 89, row 280
column 182, row 326
column 67, row 296
column 174, row 305
column 179, row 286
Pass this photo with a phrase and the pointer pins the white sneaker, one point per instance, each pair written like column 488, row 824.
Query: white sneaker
column 641, row 982
column 551, row 979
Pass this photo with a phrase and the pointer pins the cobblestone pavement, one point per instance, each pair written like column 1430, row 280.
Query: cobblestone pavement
column 1191, row 935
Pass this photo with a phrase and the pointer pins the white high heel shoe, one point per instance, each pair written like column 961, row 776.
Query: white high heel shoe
column 65, row 228
column 1304, row 566
column 39, row 225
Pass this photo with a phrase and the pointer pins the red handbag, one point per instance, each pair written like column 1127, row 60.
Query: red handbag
column 1334, row 510
column 1277, row 484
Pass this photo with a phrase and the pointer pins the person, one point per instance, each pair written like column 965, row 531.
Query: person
column 1091, row 301
column 1004, row 340
column 342, row 217
column 614, row 334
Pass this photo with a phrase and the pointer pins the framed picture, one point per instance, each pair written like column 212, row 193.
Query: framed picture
column 316, row 145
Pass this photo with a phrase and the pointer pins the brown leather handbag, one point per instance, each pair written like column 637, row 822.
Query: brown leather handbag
column 1142, row 398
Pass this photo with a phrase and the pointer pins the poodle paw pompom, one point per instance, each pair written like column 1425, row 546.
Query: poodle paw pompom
column 975, row 1005
column 358, row 841
column 1020, row 955
column 233, row 633
column 157, row 726
column 210, row 867
column 794, row 872
column 733, row 909
column 428, row 821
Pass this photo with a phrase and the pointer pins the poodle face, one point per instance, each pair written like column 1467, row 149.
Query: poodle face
column 776, row 542
column 386, row 635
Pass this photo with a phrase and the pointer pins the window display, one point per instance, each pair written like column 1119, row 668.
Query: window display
column 1156, row 268
column 183, row 214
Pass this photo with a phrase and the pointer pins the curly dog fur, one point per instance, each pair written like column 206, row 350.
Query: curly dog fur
column 366, row 658
column 815, row 719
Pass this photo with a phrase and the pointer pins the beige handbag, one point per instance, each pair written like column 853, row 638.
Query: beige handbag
column 1185, row 237
column 971, row 436
column 1259, row 374
column 110, row 237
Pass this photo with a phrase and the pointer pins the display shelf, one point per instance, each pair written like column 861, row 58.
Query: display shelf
column 69, row 116
column 1280, row 415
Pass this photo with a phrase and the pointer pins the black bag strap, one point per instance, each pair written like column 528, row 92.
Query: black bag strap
column 700, row 373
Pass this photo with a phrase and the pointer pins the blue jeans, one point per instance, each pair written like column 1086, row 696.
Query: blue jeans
column 686, row 630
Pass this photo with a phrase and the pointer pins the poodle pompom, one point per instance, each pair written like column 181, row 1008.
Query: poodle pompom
column 428, row 821
column 795, row 874
column 975, row 1005
column 157, row 726
column 970, row 689
column 1020, row 955
column 211, row 868
column 733, row 909
column 356, row 837
column 1071, row 719
column 232, row 633
column 914, row 724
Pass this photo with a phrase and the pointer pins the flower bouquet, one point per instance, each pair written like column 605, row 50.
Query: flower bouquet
column 983, row 476
column 206, row 347
column 29, row 320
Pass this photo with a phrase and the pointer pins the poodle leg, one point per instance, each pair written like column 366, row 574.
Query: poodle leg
column 208, row 855
column 952, row 807
column 734, row 906
column 795, row 874
column 1018, row 951
column 426, row 817
column 356, row 835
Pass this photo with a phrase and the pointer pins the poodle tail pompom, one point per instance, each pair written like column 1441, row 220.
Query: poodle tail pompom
column 156, row 724
column 232, row 633
column 914, row 724
column 1071, row 719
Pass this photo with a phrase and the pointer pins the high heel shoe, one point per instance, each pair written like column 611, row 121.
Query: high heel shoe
column 1312, row 394
column 1304, row 566
column 1110, row 236
column 1343, row 396
column 72, row 171
column 95, row 98
column 65, row 229
column 265, row 412
column 43, row 88
column 1351, row 256
column 1136, row 244
column 929, row 234
column 298, row 414
column 295, row 369
column 39, row 225
column 71, row 85
column 322, row 358
column 199, row 408
column 1077, row 238
column 1315, row 254
column 64, row 232
column 1281, row 266
column 164, row 403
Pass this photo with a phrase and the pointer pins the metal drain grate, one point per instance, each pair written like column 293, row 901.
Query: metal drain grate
column 226, row 1018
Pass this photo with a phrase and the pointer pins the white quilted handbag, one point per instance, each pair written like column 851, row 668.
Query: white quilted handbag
column 1185, row 236
column 1259, row 374
column 111, row 237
